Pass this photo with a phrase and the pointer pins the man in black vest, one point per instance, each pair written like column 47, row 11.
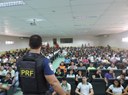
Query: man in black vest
column 35, row 71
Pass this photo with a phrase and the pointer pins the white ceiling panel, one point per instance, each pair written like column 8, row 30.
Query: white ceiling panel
column 64, row 17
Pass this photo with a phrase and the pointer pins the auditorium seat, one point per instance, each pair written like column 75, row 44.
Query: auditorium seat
column 99, row 86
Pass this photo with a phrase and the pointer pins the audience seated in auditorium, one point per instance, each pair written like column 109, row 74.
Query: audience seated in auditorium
column 62, row 66
column 71, row 74
column 98, row 74
column 109, row 75
column 74, row 59
column 85, row 60
column 81, row 66
column 104, row 60
column 84, row 87
column 122, row 76
column 59, row 73
column 10, row 70
column 101, row 57
column 116, row 88
column 91, row 67
column 112, row 66
column 65, row 86
column 79, row 74
column 3, row 72
column 5, row 84
column 72, row 66
column 67, row 60
column 101, row 66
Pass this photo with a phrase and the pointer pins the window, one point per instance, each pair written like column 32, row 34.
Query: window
column 125, row 39
column 9, row 42
column 66, row 40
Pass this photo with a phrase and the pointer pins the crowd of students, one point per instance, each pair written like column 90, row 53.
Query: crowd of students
column 78, row 64
column 82, row 61
column 8, row 68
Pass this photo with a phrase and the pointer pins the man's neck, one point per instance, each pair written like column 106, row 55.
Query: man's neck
column 84, row 82
column 35, row 51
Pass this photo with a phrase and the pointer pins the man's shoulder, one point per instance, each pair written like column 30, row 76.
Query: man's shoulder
column 89, row 83
column 46, row 60
column 80, row 83
column 68, row 84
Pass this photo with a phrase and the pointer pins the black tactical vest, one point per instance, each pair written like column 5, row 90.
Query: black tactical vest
column 31, row 75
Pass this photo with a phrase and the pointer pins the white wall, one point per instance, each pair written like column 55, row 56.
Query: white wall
column 114, row 40
column 23, row 43
column 18, row 43
column 77, row 41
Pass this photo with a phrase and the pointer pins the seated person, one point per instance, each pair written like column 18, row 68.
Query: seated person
column 67, row 60
column 116, row 88
column 59, row 73
column 71, row 74
column 72, row 66
column 79, row 74
column 122, row 77
column 65, row 86
column 5, row 84
column 91, row 67
column 101, row 66
column 62, row 66
column 10, row 70
column 85, row 60
column 108, row 76
column 81, row 66
column 98, row 74
column 84, row 87
column 113, row 67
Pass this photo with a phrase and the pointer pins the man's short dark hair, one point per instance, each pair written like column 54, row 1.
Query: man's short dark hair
column 9, row 73
column 35, row 41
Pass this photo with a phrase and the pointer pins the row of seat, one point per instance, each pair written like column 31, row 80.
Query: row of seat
column 98, row 84
column 92, row 72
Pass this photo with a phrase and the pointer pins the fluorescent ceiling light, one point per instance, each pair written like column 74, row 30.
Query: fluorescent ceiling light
column 35, row 19
column 12, row 3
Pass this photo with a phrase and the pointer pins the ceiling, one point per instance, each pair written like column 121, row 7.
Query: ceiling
column 64, row 18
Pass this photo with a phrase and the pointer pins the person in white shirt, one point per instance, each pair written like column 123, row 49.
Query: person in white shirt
column 71, row 74
column 84, row 87
column 3, row 72
column 65, row 86
column 11, row 71
column 113, row 67
column 116, row 88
